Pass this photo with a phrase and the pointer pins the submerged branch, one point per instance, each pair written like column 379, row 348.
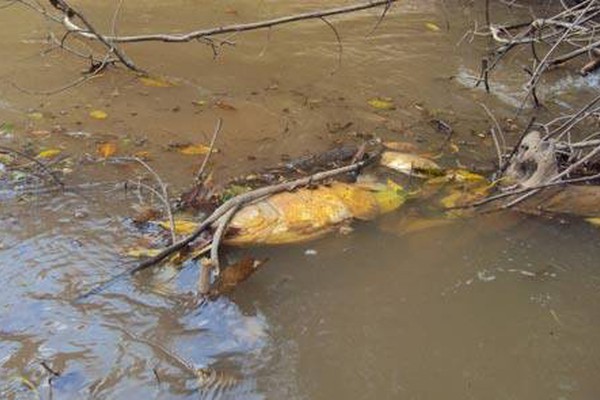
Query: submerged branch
column 221, row 211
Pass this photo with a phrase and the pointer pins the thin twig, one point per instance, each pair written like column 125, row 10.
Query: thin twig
column 339, row 42
column 200, row 173
column 499, row 150
column 163, row 188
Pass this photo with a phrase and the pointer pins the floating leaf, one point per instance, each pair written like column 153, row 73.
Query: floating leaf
column 432, row 27
column 382, row 103
column 40, row 132
column 50, row 153
column 35, row 115
column 98, row 114
column 195, row 149
column 234, row 274
column 182, row 227
column 231, row 11
column 145, row 214
column 155, row 81
column 410, row 164
column 405, row 147
column 143, row 155
column 107, row 149
column 139, row 252
column 225, row 106
column 594, row 221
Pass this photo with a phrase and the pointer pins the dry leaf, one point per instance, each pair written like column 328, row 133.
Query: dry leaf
column 107, row 149
column 382, row 103
column 195, row 149
column 40, row 132
column 235, row 274
column 225, row 106
column 145, row 214
column 143, row 155
column 400, row 146
column 98, row 114
column 432, row 27
column 156, row 81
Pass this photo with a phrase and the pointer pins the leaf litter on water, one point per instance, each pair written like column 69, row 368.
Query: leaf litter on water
column 155, row 81
column 50, row 153
column 382, row 103
column 98, row 114
column 107, row 149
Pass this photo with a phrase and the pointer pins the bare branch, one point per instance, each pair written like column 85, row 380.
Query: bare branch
column 203, row 33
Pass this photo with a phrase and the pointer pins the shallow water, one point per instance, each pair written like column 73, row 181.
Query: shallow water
column 497, row 307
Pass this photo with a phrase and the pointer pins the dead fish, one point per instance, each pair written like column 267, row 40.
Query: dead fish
column 305, row 214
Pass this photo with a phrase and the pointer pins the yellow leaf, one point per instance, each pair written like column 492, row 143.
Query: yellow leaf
column 35, row 115
column 107, row 149
column 139, row 252
column 50, row 153
column 144, row 155
column 594, row 221
column 155, row 81
column 98, row 114
column 382, row 103
column 182, row 227
column 194, row 149
column 454, row 148
column 432, row 27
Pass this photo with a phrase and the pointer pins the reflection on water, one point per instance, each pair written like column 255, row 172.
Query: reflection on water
column 501, row 307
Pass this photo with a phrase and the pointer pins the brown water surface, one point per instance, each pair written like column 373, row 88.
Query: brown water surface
column 497, row 307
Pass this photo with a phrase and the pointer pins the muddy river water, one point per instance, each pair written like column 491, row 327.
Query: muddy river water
column 498, row 307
